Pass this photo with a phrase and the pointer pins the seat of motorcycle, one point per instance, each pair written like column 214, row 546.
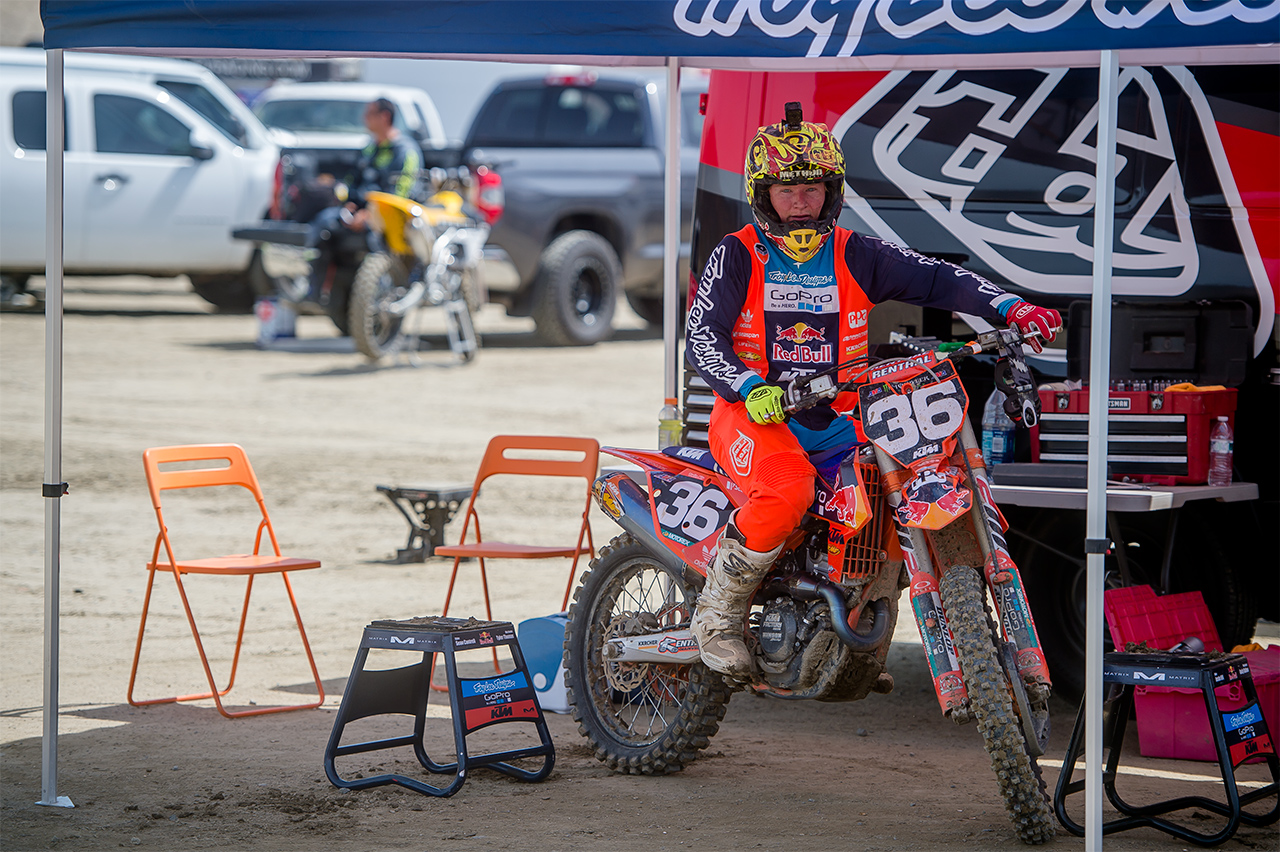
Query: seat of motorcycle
column 703, row 458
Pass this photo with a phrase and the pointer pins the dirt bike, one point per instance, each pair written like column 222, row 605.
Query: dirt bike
column 911, row 507
column 426, row 254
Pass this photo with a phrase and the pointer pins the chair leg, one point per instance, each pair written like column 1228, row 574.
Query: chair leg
column 488, row 610
column 215, row 693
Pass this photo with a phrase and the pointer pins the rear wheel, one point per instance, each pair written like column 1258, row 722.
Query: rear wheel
column 641, row 718
column 234, row 292
column 964, row 598
column 381, row 281
column 577, row 289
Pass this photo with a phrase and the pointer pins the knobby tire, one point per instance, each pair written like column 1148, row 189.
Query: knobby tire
column 662, row 724
column 964, row 597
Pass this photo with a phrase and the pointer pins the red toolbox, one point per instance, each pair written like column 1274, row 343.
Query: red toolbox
column 1160, row 437
column 1172, row 722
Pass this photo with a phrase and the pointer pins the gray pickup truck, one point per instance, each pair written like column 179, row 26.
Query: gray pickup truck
column 582, row 166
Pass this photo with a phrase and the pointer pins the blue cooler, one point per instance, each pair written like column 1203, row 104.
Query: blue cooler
column 542, row 643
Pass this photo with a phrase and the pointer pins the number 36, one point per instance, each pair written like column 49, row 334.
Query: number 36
column 897, row 422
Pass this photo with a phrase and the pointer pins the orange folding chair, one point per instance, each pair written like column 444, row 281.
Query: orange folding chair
column 210, row 472
column 508, row 454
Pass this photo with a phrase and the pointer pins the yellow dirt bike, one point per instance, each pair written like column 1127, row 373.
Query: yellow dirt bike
column 427, row 254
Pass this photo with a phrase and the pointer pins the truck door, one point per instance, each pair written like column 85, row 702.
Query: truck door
column 151, row 201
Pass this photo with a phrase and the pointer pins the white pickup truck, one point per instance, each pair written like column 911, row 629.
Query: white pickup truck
column 161, row 160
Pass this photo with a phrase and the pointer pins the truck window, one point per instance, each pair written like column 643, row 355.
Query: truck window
column 207, row 105
column 589, row 118
column 29, row 121
column 508, row 119
column 325, row 116
column 125, row 125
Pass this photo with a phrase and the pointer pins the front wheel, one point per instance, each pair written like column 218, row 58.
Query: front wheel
column 380, row 281
column 641, row 718
column 964, row 599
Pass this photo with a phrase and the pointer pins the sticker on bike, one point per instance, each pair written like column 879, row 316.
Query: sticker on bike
column 917, row 418
column 688, row 510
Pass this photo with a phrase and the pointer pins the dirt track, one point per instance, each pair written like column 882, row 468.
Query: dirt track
column 148, row 364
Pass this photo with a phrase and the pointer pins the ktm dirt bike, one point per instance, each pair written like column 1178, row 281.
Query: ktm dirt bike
column 912, row 507
column 426, row 254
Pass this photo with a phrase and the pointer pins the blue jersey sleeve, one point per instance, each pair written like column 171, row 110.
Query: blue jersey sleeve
column 886, row 271
column 722, row 291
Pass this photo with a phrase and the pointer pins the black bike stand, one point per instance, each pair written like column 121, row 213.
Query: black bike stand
column 427, row 508
column 475, row 703
column 1238, row 734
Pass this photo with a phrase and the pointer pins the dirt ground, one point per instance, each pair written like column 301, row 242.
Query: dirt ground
column 149, row 364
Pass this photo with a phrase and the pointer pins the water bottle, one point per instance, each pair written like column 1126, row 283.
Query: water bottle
column 1221, row 440
column 997, row 431
column 670, row 429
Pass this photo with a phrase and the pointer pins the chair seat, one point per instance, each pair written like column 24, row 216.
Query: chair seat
column 501, row 549
column 246, row 563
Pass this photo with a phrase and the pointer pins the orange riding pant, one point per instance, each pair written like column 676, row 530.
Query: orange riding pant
column 768, row 463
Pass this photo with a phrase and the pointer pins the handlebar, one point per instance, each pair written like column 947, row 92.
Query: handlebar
column 1013, row 377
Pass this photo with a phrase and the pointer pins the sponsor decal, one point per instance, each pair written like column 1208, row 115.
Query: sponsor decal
column 740, row 454
column 480, row 716
column 762, row 253
column 749, row 356
column 746, row 318
column 794, row 296
column 486, row 638
column 670, row 645
column 515, row 680
column 402, row 640
column 899, row 364
column 949, row 683
column 608, row 498
column 802, row 354
column 497, row 697
column 857, row 318
column 800, row 333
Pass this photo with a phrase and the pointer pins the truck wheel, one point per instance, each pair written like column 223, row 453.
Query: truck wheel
column 234, row 292
column 648, row 308
column 577, row 290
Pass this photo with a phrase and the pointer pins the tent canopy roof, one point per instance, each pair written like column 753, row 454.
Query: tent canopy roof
column 802, row 34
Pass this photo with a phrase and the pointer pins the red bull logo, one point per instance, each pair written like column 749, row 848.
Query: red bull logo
column 800, row 333
column 954, row 502
column 912, row 512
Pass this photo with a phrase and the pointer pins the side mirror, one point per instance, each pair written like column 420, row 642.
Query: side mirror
column 197, row 149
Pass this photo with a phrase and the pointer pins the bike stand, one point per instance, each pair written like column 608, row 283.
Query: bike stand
column 474, row 703
column 427, row 508
column 462, row 334
column 1238, row 734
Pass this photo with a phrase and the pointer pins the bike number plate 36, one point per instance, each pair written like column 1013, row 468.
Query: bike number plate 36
column 687, row 509
column 917, row 417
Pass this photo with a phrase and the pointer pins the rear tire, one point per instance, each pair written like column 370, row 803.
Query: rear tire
column 964, row 598
column 381, row 279
column 668, row 713
column 234, row 292
column 576, row 290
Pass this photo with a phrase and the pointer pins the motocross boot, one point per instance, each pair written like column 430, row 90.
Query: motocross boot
column 718, row 619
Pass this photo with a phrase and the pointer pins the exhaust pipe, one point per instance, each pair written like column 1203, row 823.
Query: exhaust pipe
column 808, row 588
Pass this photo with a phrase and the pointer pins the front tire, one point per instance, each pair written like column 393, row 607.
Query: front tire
column 964, row 598
column 234, row 292
column 641, row 718
column 577, row 290
column 380, row 280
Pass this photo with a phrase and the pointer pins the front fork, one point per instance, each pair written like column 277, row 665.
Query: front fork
column 1002, row 579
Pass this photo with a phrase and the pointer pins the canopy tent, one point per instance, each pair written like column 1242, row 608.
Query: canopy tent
column 741, row 34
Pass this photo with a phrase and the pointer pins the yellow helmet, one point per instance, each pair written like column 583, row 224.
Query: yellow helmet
column 795, row 152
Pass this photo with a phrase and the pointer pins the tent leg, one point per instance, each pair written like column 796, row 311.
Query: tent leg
column 671, row 235
column 53, row 487
column 1099, row 382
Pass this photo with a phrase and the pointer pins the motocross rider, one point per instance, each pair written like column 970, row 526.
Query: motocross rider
column 389, row 163
column 787, row 296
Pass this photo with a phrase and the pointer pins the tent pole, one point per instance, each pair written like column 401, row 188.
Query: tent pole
column 671, row 234
column 1096, row 541
column 53, row 488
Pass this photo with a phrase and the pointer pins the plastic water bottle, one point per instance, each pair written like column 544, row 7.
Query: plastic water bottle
column 670, row 429
column 1221, row 440
column 997, row 431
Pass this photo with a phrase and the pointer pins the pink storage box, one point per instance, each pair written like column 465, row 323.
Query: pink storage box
column 1172, row 722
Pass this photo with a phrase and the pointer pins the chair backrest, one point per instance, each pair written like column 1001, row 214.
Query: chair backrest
column 237, row 471
column 504, row 456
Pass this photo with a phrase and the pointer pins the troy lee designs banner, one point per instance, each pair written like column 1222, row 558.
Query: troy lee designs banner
column 837, row 28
